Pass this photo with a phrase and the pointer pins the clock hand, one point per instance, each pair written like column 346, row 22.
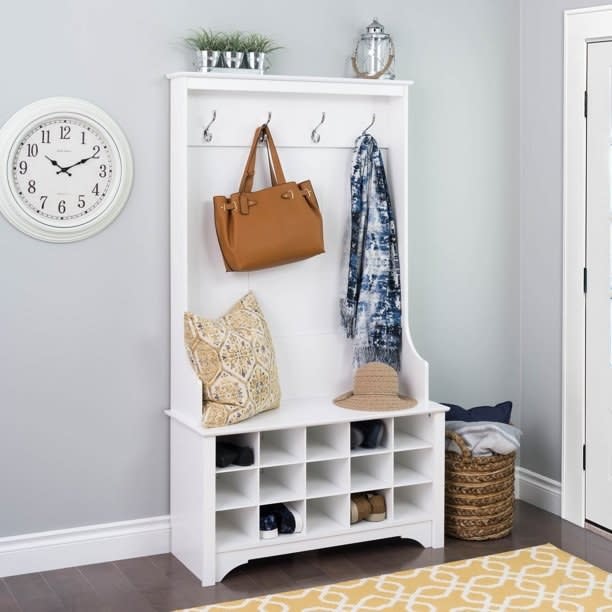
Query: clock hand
column 61, row 168
column 86, row 159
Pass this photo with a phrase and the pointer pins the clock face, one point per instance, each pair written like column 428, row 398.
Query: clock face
column 65, row 169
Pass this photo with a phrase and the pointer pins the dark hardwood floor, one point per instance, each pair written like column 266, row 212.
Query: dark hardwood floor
column 161, row 583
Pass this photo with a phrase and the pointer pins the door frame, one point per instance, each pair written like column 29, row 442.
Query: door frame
column 581, row 27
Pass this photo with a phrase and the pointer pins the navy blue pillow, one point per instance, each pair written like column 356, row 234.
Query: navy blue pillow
column 496, row 414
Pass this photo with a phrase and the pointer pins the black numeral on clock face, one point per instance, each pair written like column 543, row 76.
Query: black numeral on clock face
column 65, row 132
column 23, row 167
column 32, row 150
column 96, row 189
column 32, row 186
column 43, row 200
column 102, row 171
column 61, row 207
column 96, row 152
column 45, row 136
column 81, row 203
column 83, row 138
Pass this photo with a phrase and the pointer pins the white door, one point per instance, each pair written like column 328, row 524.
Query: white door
column 598, row 470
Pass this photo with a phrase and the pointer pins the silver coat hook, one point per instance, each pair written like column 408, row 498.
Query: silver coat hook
column 262, row 137
column 314, row 135
column 371, row 124
column 206, row 135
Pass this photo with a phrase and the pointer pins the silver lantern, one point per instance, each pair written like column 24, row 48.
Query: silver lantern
column 374, row 55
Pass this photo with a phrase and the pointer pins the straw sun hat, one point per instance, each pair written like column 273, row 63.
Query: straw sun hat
column 375, row 387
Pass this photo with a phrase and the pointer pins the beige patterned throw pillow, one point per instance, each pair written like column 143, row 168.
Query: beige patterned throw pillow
column 234, row 358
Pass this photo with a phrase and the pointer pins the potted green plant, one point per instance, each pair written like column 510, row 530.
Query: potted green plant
column 256, row 48
column 207, row 45
column 232, row 48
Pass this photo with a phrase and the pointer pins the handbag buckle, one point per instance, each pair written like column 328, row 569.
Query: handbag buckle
column 288, row 195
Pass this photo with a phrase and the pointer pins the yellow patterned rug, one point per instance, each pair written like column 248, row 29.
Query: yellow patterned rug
column 537, row 578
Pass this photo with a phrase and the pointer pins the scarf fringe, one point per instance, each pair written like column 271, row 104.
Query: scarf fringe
column 368, row 354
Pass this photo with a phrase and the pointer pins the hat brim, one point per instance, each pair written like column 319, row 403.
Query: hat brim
column 374, row 402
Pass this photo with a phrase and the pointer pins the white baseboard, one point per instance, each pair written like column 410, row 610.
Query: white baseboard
column 538, row 490
column 49, row 550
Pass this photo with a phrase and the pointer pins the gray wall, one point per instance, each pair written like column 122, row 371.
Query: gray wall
column 542, row 230
column 84, row 366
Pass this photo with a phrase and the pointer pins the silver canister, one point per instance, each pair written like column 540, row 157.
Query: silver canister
column 255, row 60
column 233, row 59
column 206, row 60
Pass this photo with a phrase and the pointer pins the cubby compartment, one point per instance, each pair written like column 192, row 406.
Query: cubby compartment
column 413, row 503
column 327, row 477
column 250, row 440
column 385, row 443
column 298, row 507
column 278, row 484
column 327, row 515
column 371, row 472
column 412, row 467
column 236, row 529
column 236, row 489
column 282, row 447
column 364, row 523
column 413, row 432
column 327, row 441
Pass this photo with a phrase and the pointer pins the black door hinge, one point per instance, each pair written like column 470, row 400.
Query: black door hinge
column 583, row 457
column 584, row 280
column 586, row 103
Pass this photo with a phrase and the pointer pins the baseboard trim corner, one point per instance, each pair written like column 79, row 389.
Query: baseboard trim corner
column 538, row 490
column 49, row 550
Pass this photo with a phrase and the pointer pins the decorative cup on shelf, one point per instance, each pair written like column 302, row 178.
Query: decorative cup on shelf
column 255, row 60
column 207, row 59
column 233, row 59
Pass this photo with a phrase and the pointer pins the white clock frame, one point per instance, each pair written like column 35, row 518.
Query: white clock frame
column 43, row 110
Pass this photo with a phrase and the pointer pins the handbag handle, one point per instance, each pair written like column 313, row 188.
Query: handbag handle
column 277, row 175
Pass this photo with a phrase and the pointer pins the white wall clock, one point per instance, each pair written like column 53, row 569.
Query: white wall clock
column 66, row 169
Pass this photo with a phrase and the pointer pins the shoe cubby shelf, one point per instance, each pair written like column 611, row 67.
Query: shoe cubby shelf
column 301, row 451
column 315, row 469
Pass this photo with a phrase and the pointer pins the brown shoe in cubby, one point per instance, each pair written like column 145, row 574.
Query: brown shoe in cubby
column 360, row 508
column 378, row 507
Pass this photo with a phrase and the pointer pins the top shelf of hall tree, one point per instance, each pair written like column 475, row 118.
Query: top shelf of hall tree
column 291, row 84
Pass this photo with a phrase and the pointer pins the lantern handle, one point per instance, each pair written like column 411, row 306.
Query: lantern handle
column 263, row 136
column 314, row 135
column 371, row 124
column 376, row 75
column 206, row 134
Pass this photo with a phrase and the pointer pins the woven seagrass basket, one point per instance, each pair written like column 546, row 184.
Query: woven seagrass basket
column 478, row 493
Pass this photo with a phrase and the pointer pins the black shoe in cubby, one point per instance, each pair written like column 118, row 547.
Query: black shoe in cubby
column 367, row 434
column 232, row 454
column 245, row 456
column 268, row 524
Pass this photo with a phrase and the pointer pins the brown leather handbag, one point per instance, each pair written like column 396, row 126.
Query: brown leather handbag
column 270, row 227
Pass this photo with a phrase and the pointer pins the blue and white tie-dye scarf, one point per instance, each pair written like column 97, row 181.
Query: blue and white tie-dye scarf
column 372, row 308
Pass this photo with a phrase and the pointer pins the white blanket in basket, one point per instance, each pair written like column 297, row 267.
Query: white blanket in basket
column 485, row 437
